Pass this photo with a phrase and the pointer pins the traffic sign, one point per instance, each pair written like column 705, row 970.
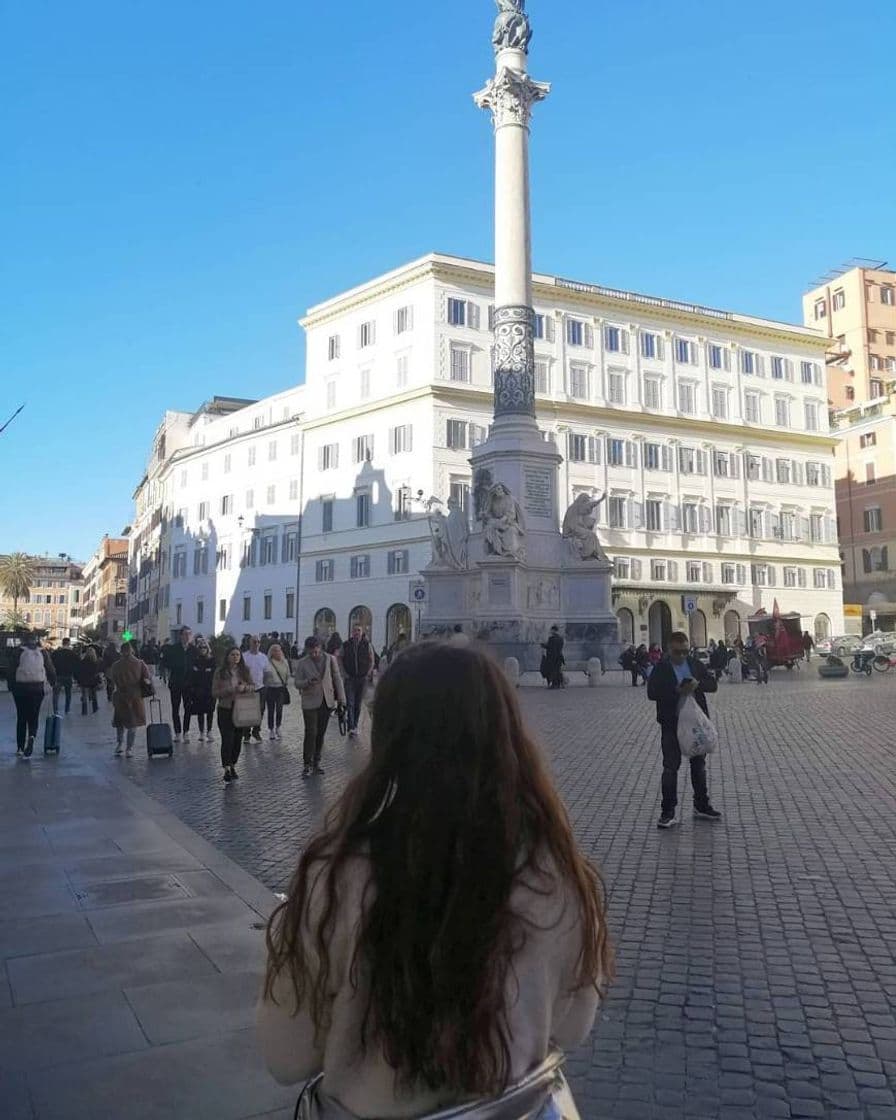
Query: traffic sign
column 689, row 602
column 417, row 591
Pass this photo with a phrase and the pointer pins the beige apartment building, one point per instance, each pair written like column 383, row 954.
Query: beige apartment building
column 106, row 588
column 54, row 602
column 856, row 307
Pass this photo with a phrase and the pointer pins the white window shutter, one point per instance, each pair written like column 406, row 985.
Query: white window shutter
column 631, row 454
column 593, row 450
column 635, row 515
column 772, row 576
column 672, row 568
column 726, row 359
column 588, row 336
column 320, row 458
column 801, row 576
column 550, row 328
column 410, row 311
column 707, row 573
column 491, row 316
column 734, row 460
column 700, row 457
column 623, row 341
column 705, row 520
column 395, row 315
column 636, row 569
column 830, row 530
column 473, row 316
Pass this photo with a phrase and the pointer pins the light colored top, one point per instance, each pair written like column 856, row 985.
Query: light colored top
column 256, row 664
column 276, row 674
column 319, row 681
column 542, row 1004
column 459, row 639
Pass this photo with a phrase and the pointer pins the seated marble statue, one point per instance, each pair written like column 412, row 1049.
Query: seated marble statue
column 503, row 524
column 578, row 527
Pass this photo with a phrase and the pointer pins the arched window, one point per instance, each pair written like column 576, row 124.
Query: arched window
column 697, row 629
column 324, row 623
column 732, row 625
column 822, row 627
column 361, row 616
column 398, row 617
column 626, row 621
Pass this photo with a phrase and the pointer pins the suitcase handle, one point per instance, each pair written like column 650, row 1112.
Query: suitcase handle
column 155, row 702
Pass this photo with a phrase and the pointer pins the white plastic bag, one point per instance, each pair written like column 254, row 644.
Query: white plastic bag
column 696, row 733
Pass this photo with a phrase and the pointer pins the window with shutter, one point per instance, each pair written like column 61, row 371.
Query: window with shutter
column 707, row 573
column 666, row 457
column 460, row 364
column 457, row 312
column 636, row 569
column 631, row 454
column 457, row 435
column 652, row 396
column 593, row 450
column 542, row 383
column 589, row 336
column 673, row 571
column 473, row 315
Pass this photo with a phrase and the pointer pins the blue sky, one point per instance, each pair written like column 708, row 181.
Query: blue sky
column 182, row 180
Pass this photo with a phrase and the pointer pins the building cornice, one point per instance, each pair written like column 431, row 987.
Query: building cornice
column 552, row 289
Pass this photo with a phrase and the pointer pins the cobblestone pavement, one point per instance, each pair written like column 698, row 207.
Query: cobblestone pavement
column 757, row 957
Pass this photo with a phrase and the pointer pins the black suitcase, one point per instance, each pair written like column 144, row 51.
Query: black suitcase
column 158, row 734
column 52, row 734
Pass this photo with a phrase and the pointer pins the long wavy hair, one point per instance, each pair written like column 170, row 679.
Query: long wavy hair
column 454, row 806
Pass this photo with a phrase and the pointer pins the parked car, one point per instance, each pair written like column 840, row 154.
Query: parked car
column 881, row 641
column 843, row 645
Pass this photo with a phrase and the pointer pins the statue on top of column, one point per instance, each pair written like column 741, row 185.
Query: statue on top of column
column 512, row 26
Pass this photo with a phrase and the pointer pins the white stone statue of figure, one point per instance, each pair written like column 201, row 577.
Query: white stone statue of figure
column 503, row 523
column 512, row 26
column 578, row 528
column 457, row 528
column 438, row 530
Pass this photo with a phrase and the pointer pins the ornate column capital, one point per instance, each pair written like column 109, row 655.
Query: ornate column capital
column 510, row 95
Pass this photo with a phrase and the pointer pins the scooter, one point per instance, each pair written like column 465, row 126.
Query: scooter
column 862, row 661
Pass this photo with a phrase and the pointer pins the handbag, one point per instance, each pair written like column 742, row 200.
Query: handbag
column 247, row 709
column 543, row 1094
column 146, row 688
column 287, row 699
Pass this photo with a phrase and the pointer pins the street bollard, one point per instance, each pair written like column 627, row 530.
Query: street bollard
column 594, row 671
column 512, row 669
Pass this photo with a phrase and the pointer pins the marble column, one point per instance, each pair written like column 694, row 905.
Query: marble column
column 510, row 96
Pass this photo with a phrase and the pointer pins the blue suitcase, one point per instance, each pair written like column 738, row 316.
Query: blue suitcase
column 52, row 734
column 158, row 734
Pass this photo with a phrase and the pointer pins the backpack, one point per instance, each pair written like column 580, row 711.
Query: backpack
column 31, row 668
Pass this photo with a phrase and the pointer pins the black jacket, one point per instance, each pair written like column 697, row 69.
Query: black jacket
column 178, row 662
column 65, row 661
column 357, row 658
column 662, row 687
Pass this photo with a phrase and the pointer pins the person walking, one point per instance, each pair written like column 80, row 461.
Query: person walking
column 643, row 665
column 65, row 662
column 231, row 679
column 719, row 661
column 198, row 699
column 553, row 660
column 629, row 664
column 363, row 982
column 334, row 644
column 458, row 637
column 276, row 688
column 129, row 677
column 178, row 661
column 257, row 664
column 808, row 645
column 357, row 670
column 87, row 674
column 319, row 682
column 676, row 677
column 164, row 651
column 30, row 672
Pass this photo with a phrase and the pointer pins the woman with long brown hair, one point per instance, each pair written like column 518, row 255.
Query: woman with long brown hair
column 443, row 931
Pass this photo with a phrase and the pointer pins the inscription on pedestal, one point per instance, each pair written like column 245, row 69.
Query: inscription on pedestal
column 538, row 495
column 499, row 590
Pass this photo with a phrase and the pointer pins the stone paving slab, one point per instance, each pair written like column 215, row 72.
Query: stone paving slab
column 130, row 952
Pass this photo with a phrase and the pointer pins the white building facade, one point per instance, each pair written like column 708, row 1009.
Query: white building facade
column 706, row 430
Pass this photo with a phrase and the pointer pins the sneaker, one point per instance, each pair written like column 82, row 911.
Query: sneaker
column 29, row 747
column 176, row 737
column 227, row 776
column 272, row 735
column 708, row 814
column 233, row 773
column 277, row 734
column 129, row 751
column 256, row 735
column 306, row 772
column 118, row 751
column 185, row 738
column 19, row 752
column 667, row 820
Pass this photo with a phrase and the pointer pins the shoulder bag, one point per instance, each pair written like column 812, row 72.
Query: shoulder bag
column 543, row 1094
column 246, row 709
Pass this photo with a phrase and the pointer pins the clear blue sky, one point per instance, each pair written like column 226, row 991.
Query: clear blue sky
column 181, row 180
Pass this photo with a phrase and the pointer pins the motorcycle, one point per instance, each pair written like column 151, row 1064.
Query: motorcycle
column 884, row 662
column 862, row 661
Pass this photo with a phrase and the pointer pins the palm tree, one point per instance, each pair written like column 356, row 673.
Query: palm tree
column 17, row 573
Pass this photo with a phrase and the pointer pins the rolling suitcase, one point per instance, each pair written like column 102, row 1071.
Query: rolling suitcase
column 158, row 734
column 52, row 734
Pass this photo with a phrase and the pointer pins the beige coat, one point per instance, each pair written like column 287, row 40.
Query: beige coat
column 127, row 703
column 319, row 682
